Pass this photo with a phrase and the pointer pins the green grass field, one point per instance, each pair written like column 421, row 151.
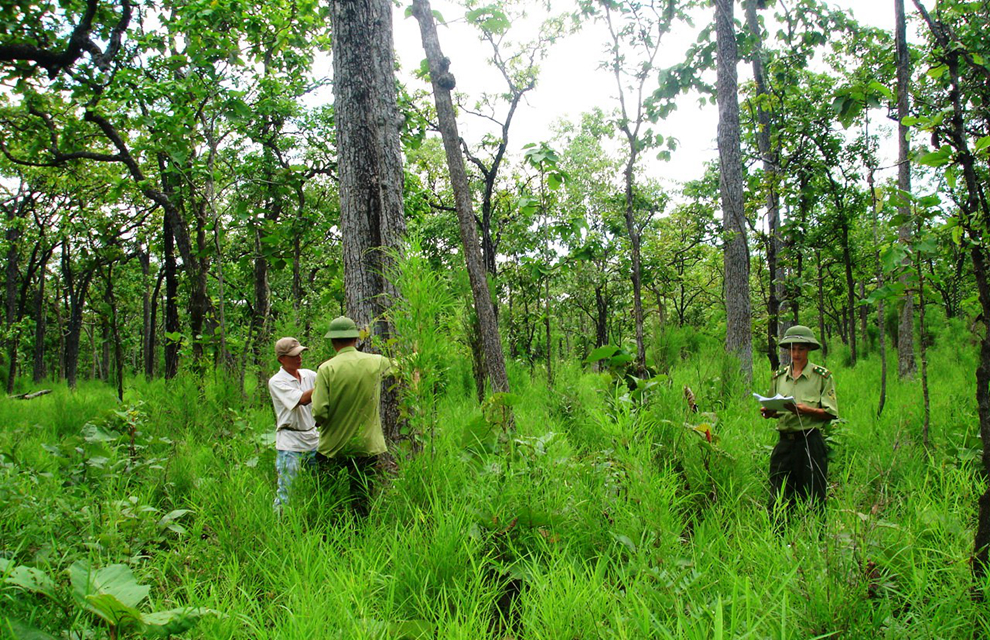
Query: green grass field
column 602, row 516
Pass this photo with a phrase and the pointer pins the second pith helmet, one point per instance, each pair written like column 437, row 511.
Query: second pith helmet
column 343, row 328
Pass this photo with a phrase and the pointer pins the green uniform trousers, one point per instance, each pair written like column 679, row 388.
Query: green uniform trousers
column 799, row 467
column 352, row 477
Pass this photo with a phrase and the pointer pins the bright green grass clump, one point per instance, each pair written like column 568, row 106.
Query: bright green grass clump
column 602, row 516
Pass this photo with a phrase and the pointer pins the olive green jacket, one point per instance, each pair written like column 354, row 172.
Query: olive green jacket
column 815, row 387
column 346, row 401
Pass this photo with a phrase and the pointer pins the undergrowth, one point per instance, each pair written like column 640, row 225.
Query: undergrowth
column 603, row 514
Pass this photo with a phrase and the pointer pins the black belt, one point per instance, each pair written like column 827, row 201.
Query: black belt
column 794, row 435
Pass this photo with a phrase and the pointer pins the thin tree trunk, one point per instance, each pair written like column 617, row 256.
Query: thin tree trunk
column 739, row 332
column 546, row 323
column 443, row 82
column 881, row 323
column 821, row 303
column 144, row 257
column 118, row 350
column 172, row 328
column 262, row 312
column 76, row 288
column 40, row 324
column 151, row 354
column 850, row 290
column 905, row 328
column 974, row 217
column 13, row 278
column 60, row 304
column 769, row 155
column 924, row 352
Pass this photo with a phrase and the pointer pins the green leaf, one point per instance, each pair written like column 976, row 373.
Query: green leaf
column 929, row 201
column 606, row 351
column 982, row 144
column 893, row 256
column 625, row 541
column 112, row 593
column 937, row 72
column 92, row 434
column 27, row 578
column 936, row 158
column 163, row 624
column 622, row 358
column 170, row 518
column 22, row 631
column 490, row 18
column 957, row 235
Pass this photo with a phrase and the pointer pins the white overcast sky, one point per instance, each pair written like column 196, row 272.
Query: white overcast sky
column 571, row 82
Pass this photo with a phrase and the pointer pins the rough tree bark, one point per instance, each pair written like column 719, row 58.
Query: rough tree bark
column 370, row 162
column 738, row 321
column 443, row 82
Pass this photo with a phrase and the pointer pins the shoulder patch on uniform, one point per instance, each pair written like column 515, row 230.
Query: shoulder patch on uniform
column 822, row 371
column 779, row 372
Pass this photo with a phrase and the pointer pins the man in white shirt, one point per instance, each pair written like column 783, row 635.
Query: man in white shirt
column 296, row 436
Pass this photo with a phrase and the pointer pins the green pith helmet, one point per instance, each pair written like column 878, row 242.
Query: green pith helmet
column 342, row 328
column 800, row 334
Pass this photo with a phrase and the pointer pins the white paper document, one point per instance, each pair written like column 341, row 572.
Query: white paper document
column 776, row 403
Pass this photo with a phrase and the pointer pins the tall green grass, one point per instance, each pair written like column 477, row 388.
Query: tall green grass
column 601, row 517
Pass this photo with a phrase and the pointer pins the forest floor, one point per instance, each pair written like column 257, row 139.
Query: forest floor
column 602, row 516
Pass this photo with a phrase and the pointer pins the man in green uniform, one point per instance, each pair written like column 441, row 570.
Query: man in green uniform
column 799, row 462
column 346, row 399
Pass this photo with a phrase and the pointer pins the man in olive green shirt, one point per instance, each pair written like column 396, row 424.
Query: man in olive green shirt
column 799, row 462
column 346, row 401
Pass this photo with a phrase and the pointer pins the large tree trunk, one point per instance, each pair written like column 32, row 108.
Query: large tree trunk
column 905, row 328
column 370, row 161
column 443, row 82
column 738, row 321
